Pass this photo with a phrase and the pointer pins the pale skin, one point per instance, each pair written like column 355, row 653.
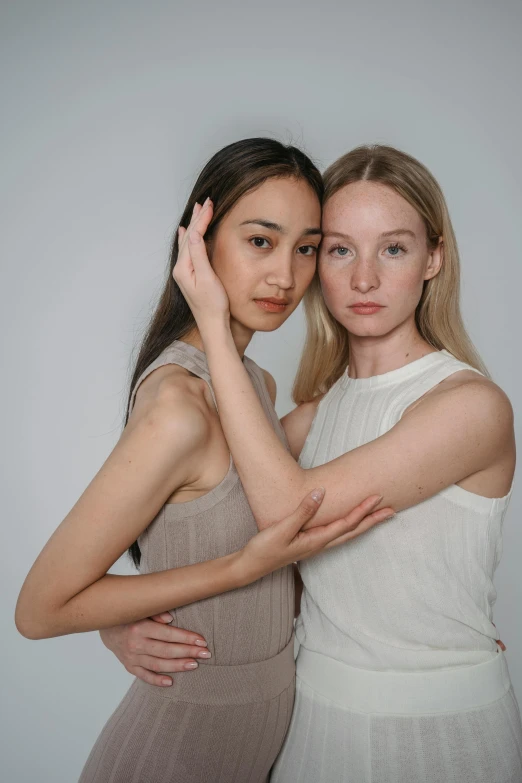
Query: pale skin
column 173, row 450
column 466, row 422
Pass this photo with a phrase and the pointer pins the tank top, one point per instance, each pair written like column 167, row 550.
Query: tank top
column 415, row 593
column 246, row 625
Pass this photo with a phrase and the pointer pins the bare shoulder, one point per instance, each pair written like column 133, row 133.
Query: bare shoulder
column 297, row 424
column 172, row 401
column 468, row 388
column 270, row 385
column 467, row 399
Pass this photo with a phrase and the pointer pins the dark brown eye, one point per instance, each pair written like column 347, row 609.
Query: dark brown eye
column 258, row 242
column 307, row 250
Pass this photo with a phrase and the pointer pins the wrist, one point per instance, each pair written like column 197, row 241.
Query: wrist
column 241, row 569
column 215, row 329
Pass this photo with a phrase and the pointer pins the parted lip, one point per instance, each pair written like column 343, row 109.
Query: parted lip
column 273, row 299
column 366, row 304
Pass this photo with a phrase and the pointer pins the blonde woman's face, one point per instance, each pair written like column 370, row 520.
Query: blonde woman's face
column 265, row 251
column 374, row 259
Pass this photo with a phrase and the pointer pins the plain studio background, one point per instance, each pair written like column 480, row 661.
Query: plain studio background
column 109, row 110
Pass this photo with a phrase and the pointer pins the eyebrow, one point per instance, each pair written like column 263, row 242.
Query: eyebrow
column 277, row 227
column 395, row 232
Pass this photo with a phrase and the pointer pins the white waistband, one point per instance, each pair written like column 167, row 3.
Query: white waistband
column 402, row 693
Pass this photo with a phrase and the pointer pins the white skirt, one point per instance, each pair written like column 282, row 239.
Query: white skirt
column 352, row 725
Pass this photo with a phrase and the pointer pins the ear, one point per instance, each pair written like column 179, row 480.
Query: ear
column 435, row 260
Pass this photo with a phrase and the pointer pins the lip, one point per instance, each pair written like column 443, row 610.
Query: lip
column 272, row 304
column 366, row 308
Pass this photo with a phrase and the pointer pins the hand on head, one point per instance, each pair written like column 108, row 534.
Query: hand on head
column 194, row 275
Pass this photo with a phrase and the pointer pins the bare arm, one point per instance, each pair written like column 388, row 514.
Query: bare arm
column 443, row 440
column 68, row 589
column 446, row 438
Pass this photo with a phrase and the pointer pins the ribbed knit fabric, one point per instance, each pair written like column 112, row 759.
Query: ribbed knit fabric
column 417, row 592
column 225, row 721
column 410, row 604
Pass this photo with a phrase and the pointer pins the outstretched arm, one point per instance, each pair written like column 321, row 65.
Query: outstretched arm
column 442, row 441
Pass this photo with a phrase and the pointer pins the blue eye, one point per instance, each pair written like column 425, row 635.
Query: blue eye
column 340, row 251
column 395, row 250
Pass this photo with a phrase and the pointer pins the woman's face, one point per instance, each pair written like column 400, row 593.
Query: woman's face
column 265, row 251
column 374, row 259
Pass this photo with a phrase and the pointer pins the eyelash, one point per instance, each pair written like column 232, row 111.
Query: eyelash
column 313, row 248
column 394, row 246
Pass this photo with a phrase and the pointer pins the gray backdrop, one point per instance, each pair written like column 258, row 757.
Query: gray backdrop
column 109, row 109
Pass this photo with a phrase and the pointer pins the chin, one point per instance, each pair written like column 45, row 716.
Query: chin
column 262, row 322
column 364, row 329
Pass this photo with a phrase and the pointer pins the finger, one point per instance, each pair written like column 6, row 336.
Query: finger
column 382, row 515
column 362, row 511
column 163, row 665
column 340, row 530
column 146, row 630
column 175, row 650
column 305, row 511
column 150, row 677
column 501, row 645
column 198, row 254
column 202, row 221
column 164, row 617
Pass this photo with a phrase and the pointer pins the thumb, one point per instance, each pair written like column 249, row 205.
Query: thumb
column 305, row 511
column 164, row 617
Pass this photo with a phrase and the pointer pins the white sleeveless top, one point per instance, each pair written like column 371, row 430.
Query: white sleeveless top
column 415, row 593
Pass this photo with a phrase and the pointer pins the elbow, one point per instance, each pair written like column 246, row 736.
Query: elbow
column 28, row 628
column 32, row 624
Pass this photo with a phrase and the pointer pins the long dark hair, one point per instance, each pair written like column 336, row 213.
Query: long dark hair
column 229, row 174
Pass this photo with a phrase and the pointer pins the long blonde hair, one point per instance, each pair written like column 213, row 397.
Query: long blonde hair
column 438, row 318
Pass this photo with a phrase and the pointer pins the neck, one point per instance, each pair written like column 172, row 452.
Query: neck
column 371, row 356
column 240, row 334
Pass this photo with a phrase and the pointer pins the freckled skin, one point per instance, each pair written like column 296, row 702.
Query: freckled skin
column 368, row 271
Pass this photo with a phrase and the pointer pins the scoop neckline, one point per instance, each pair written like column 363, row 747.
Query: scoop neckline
column 403, row 373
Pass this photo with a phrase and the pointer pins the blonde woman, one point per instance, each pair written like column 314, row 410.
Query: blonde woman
column 399, row 674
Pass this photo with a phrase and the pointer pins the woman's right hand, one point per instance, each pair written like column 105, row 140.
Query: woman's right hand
column 287, row 542
column 149, row 648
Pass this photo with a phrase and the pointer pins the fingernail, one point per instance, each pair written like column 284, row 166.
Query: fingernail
column 318, row 494
column 378, row 500
column 388, row 517
column 204, row 654
column 166, row 681
column 207, row 200
column 194, row 238
column 191, row 665
column 200, row 642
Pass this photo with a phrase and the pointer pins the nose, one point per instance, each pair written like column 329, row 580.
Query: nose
column 364, row 275
column 281, row 272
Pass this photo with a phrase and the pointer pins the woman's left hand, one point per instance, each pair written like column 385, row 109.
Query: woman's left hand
column 198, row 282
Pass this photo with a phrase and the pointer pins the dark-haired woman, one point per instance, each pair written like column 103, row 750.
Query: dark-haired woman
column 170, row 486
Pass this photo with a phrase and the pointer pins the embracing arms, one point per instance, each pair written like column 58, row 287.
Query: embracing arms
column 461, row 431
column 68, row 589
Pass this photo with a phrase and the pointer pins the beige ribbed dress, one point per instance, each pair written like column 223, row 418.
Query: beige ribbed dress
column 225, row 721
